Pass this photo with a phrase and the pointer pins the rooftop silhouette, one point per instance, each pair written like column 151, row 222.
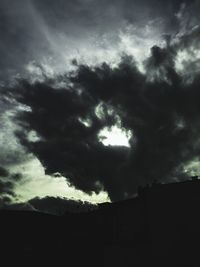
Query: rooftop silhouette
column 159, row 227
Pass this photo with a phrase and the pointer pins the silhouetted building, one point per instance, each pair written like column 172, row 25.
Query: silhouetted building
column 160, row 227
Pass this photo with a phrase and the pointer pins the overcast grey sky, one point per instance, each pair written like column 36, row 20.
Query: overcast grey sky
column 41, row 31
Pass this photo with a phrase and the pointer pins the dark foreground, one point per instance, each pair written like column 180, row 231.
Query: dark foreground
column 161, row 228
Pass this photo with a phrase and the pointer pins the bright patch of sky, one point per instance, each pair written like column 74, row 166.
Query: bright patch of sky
column 114, row 136
column 35, row 183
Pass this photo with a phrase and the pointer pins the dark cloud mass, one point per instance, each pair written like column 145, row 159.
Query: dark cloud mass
column 3, row 172
column 159, row 105
column 7, row 185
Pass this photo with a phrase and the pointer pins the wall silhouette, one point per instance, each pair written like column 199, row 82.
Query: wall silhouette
column 160, row 227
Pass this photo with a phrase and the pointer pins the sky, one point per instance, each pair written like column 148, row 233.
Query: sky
column 97, row 98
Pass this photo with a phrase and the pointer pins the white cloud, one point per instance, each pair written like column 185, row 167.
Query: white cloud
column 36, row 184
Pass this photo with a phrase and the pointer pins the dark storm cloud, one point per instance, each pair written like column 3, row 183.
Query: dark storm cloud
column 6, row 187
column 65, row 140
column 159, row 107
column 7, row 184
column 3, row 172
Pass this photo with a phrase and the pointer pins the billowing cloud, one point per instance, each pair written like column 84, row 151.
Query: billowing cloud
column 7, row 186
column 91, row 69
column 159, row 107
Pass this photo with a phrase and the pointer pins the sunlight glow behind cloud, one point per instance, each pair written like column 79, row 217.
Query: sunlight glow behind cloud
column 114, row 136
